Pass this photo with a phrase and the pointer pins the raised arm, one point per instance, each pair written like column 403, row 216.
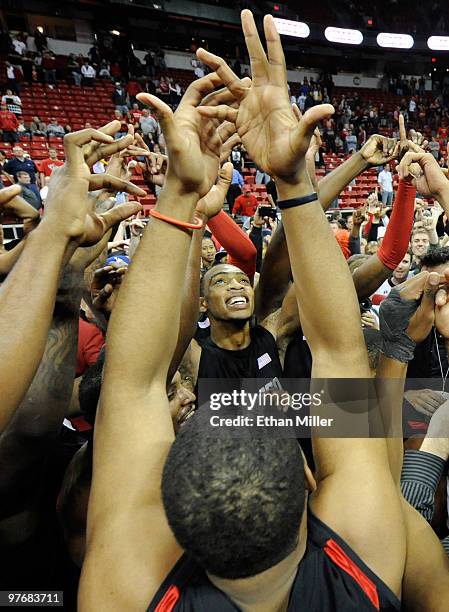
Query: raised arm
column 130, row 547
column 67, row 223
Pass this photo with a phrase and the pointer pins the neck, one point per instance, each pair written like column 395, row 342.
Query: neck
column 207, row 264
column 268, row 591
column 230, row 335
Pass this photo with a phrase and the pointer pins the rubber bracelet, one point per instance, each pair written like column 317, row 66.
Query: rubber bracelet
column 183, row 224
column 283, row 204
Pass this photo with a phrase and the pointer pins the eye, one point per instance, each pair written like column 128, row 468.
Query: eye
column 245, row 281
column 219, row 281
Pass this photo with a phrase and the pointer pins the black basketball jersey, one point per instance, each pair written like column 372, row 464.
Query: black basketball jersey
column 258, row 360
column 330, row 578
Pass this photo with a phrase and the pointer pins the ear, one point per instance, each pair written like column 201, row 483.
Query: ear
column 203, row 304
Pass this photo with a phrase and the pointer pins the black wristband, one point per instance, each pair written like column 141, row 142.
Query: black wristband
column 283, row 204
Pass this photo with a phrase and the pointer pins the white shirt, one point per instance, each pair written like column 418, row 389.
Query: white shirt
column 10, row 72
column 412, row 106
column 385, row 180
column 19, row 46
column 88, row 72
column 301, row 102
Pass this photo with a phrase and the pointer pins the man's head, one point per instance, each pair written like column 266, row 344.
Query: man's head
column 420, row 243
column 334, row 226
column 52, row 153
column 23, row 177
column 246, row 190
column 2, row 156
column 227, row 294
column 235, row 505
column 145, row 112
column 401, row 271
column 387, row 168
column 9, row 92
column 436, row 259
column 208, row 251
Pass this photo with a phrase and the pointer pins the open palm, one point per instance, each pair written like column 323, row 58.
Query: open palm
column 264, row 119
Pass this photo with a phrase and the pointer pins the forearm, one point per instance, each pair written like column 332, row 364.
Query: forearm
column 275, row 275
column 396, row 240
column 190, row 303
column 234, row 240
column 369, row 277
column 36, row 276
column 354, row 244
column 321, row 303
column 154, row 334
column 9, row 258
column 331, row 185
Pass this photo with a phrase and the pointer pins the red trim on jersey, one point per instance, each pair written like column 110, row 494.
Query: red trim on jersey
column 340, row 558
column 169, row 600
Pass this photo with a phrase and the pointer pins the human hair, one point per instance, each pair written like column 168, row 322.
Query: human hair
column 234, row 504
column 23, row 173
column 373, row 341
column 435, row 256
column 90, row 388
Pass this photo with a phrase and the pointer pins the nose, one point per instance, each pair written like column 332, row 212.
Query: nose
column 187, row 397
column 235, row 284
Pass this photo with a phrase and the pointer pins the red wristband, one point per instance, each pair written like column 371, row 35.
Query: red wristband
column 182, row 224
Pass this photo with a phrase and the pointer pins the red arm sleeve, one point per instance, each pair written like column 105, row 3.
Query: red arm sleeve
column 242, row 252
column 397, row 237
column 366, row 229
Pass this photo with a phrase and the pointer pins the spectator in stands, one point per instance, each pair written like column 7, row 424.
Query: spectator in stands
column 420, row 244
column 11, row 78
column 105, row 70
column 385, row 180
column 149, row 126
column 55, row 129
column 8, row 125
column 135, row 113
column 208, row 252
column 74, row 69
column 245, row 205
column 19, row 46
column 38, row 66
column 40, row 39
column 13, row 102
column 49, row 164
column 302, row 101
column 133, row 88
column 434, row 147
column 49, row 67
column 29, row 194
column 19, row 162
column 351, row 141
column 235, row 188
column 38, row 127
column 120, row 99
column 3, row 173
column 88, row 73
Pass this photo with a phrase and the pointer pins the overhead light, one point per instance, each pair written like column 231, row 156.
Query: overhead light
column 438, row 43
column 344, row 36
column 298, row 29
column 395, row 41
column 115, row 32
column 40, row 29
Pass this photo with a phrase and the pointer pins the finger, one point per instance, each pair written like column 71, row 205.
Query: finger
column 227, row 76
column 8, row 193
column 430, row 290
column 105, row 151
column 140, row 142
column 309, row 121
column 120, row 213
column 402, row 130
column 221, row 96
column 103, row 296
column 164, row 115
column 441, row 297
column 225, row 178
column 228, row 146
column 113, row 183
column 258, row 59
column 221, row 112
column 197, row 90
column 408, row 159
column 74, row 141
column 226, row 130
column 276, row 59
column 296, row 111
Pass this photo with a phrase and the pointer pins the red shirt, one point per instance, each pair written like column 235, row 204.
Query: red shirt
column 8, row 121
column 48, row 165
column 133, row 88
column 90, row 343
column 245, row 205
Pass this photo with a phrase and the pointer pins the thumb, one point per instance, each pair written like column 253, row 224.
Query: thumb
column 430, row 289
column 225, row 178
column 164, row 115
column 296, row 111
column 120, row 213
column 308, row 123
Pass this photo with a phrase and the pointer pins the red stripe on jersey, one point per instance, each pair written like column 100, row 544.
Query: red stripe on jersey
column 340, row 558
column 169, row 600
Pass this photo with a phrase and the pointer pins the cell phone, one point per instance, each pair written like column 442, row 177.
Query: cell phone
column 268, row 211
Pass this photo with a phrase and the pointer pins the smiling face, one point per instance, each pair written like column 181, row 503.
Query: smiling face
column 228, row 295
column 208, row 251
column 420, row 244
column 401, row 271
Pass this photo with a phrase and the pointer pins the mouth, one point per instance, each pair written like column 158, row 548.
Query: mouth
column 238, row 302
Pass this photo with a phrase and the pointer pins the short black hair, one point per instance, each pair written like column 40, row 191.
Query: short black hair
column 90, row 388
column 435, row 256
column 235, row 505
column 373, row 341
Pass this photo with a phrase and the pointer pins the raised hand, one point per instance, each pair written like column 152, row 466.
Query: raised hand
column 68, row 206
column 423, row 171
column 264, row 119
column 193, row 143
column 12, row 204
column 379, row 150
column 104, row 287
column 211, row 204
